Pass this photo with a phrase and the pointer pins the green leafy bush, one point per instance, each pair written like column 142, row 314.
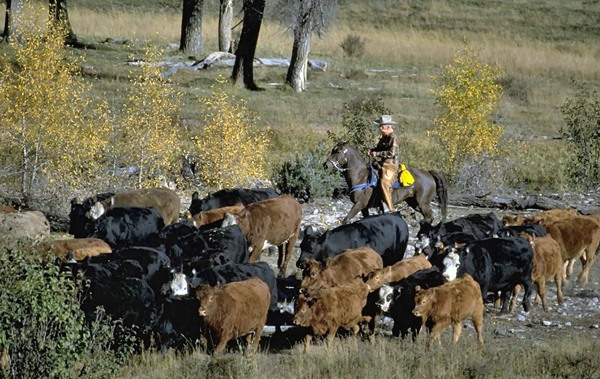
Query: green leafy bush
column 357, row 119
column 43, row 332
column 304, row 177
column 582, row 131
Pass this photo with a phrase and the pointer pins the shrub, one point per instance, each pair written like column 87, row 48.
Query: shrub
column 357, row 120
column 43, row 332
column 231, row 150
column 353, row 45
column 304, row 177
column 466, row 95
column 516, row 88
column 582, row 131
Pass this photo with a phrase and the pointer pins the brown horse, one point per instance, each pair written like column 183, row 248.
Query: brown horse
column 364, row 190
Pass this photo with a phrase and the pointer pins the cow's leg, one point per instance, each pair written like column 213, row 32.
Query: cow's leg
column 559, row 293
column 571, row 264
column 330, row 336
column 257, row 335
column 591, row 256
column 256, row 250
column 457, row 328
column 541, row 290
column 287, row 253
column 478, row 324
column 307, row 340
column 505, row 294
column 220, row 346
column 435, row 334
column 513, row 300
column 527, row 296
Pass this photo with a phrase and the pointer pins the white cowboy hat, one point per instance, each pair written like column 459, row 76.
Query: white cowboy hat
column 386, row 119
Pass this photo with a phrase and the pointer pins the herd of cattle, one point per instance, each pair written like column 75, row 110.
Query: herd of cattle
column 177, row 281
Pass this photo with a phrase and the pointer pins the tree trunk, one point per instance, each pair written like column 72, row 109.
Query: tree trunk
column 225, row 18
column 191, row 28
column 59, row 15
column 244, row 55
column 13, row 10
column 296, row 75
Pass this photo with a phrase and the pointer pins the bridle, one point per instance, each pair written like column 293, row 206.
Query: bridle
column 336, row 164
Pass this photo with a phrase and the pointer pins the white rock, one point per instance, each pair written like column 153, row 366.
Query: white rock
column 568, row 323
column 316, row 212
column 547, row 323
column 521, row 318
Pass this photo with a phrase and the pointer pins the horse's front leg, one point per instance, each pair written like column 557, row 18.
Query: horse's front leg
column 357, row 207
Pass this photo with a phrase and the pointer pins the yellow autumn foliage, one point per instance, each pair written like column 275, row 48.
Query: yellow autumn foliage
column 148, row 127
column 466, row 95
column 232, row 151
column 47, row 141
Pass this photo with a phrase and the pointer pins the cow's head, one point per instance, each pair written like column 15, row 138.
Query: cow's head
column 311, row 274
column 423, row 301
column 308, row 246
column 196, row 204
column 205, row 294
column 451, row 265
column 178, row 284
column 79, row 225
column 386, row 297
column 96, row 211
column 303, row 310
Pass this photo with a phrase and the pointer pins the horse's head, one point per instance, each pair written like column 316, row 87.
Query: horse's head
column 338, row 158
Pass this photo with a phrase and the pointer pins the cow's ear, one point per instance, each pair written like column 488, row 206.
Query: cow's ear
column 417, row 289
column 195, row 195
column 309, row 231
column 74, row 201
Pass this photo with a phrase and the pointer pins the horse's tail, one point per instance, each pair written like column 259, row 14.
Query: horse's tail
column 441, row 189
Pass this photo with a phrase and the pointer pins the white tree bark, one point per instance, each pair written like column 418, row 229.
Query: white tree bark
column 225, row 18
column 296, row 75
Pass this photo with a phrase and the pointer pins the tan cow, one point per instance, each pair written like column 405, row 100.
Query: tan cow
column 329, row 309
column 340, row 269
column 397, row 271
column 234, row 310
column 78, row 248
column 577, row 236
column 214, row 215
column 544, row 218
column 271, row 222
column 166, row 201
column 547, row 264
column 450, row 304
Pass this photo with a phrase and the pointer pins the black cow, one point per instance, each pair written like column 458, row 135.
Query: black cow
column 386, row 234
column 497, row 264
column 127, row 226
column 221, row 245
column 80, row 225
column 397, row 300
column 180, row 324
column 477, row 225
column 533, row 229
column 444, row 242
column 228, row 197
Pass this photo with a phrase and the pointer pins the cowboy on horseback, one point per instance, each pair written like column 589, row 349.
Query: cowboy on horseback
column 388, row 154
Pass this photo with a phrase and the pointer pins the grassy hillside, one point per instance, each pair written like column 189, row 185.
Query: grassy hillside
column 543, row 46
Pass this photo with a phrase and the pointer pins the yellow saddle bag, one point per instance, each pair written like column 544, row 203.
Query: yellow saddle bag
column 406, row 178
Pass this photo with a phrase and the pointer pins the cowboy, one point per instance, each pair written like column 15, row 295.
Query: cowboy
column 388, row 153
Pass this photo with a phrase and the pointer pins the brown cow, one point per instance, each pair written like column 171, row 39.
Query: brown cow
column 234, row 310
column 544, row 218
column 166, row 201
column 214, row 215
column 328, row 309
column 576, row 236
column 450, row 304
column 397, row 271
column 274, row 222
column 80, row 248
column 547, row 264
column 340, row 269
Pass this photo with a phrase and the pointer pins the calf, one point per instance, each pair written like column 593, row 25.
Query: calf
column 77, row 248
column 450, row 304
column 214, row 215
column 81, row 224
column 386, row 234
column 497, row 264
column 228, row 197
column 547, row 264
column 234, row 310
column 340, row 269
column 325, row 311
column 274, row 221
column 128, row 226
column 398, row 300
column 166, row 202
column 575, row 236
column 396, row 272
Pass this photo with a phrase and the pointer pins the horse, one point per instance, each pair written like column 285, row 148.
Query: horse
column 364, row 187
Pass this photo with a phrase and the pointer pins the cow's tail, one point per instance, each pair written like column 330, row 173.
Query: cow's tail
column 441, row 189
